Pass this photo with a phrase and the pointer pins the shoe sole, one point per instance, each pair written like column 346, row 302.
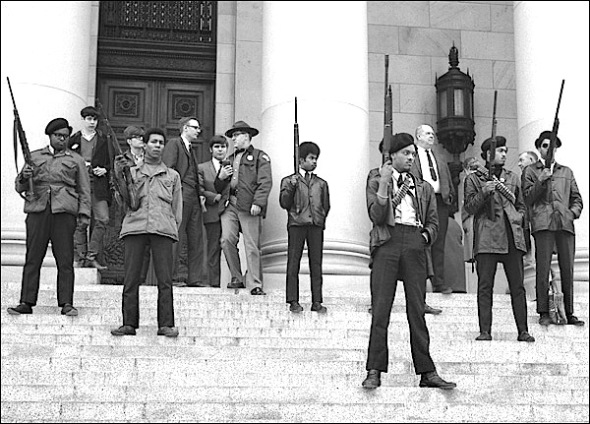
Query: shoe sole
column 426, row 386
column 370, row 386
column 122, row 334
column 71, row 314
column 13, row 312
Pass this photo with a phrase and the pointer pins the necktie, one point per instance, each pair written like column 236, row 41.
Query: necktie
column 431, row 166
column 307, row 176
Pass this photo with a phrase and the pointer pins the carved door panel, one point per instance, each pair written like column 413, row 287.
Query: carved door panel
column 149, row 104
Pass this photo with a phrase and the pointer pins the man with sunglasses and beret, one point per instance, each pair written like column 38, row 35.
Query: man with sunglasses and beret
column 247, row 179
column 59, row 200
column 554, row 201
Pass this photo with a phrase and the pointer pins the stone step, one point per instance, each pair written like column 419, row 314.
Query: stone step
column 102, row 337
column 374, row 409
column 172, row 376
column 281, row 365
column 287, row 395
column 506, row 353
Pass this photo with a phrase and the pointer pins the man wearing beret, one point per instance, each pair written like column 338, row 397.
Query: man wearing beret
column 92, row 145
column 180, row 155
column 208, row 171
column 554, row 201
column 247, row 181
column 402, row 209
column 498, row 210
column 60, row 197
column 431, row 168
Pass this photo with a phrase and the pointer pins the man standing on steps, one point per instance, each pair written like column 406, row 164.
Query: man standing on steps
column 402, row 209
column 179, row 155
column 498, row 210
column 155, row 224
column 61, row 195
column 247, row 181
column 430, row 167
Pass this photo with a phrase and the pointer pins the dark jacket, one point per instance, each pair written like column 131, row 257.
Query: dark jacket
column 305, row 204
column 207, row 175
column 59, row 180
column 254, row 181
column 492, row 236
column 447, row 191
column 555, row 203
column 100, row 157
column 379, row 213
column 177, row 157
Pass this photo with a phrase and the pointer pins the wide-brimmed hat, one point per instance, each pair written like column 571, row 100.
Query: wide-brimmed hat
column 242, row 126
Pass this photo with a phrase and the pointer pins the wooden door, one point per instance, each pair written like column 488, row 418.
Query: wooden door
column 150, row 103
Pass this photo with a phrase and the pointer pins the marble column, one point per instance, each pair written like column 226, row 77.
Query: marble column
column 46, row 53
column 551, row 44
column 318, row 53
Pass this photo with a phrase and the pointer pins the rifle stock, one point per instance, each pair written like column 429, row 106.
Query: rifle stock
column 553, row 138
column 19, row 132
column 492, row 156
column 129, row 194
column 387, row 115
column 296, row 142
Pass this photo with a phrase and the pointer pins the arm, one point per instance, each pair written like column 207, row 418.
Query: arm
column 177, row 200
column 532, row 187
column 170, row 154
column 326, row 198
column 264, row 179
column 211, row 196
column 83, row 189
column 475, row 196
column 575, row 201
column 377, row 205
column 287, row 192
column 431, row 216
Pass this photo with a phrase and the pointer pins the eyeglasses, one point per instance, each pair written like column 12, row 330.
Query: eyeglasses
column 237, row 133
column 139, row 137
column 61, row 136
column 195, row 127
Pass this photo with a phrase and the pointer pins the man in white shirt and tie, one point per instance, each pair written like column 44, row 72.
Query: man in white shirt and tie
column 429, row 167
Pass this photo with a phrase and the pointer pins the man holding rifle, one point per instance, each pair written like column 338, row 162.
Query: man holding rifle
column 554, row 201
column 61, row 197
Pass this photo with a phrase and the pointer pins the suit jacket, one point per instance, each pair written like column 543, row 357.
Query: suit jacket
column 447, row 190
column 177, row 157
column 207, row 175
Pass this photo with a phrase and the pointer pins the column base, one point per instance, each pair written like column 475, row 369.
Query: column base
column 340, row 258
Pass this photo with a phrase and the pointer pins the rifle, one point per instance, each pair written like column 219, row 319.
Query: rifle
column 19, row 132
column 130, row 196
column 553, row 138
column 387, row 115
column 296, row 142
column 492, row 156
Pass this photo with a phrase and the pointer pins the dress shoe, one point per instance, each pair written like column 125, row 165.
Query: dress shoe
column 373, row 380
column 544, row 319
column 524, row 336
column 484, row 335
column 295, row 307
column 257, row 291
column 168, row 331
column 124, row 330
column 430, row 310
column 69, row 310
column 94, row 264
column 317, row 307
column 22, row 309
column 178, row 283
column 432, row 379
column 573, row 320
column 79, row 263
column 236, row 284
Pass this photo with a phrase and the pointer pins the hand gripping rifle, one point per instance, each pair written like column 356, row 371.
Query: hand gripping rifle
column 491, row 157
column 387, row 115
column 296, row 142
column 19, row 133
column 553, row 137
column 128, row 193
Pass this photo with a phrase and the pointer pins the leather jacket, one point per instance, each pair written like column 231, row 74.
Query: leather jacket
column 306, row 203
